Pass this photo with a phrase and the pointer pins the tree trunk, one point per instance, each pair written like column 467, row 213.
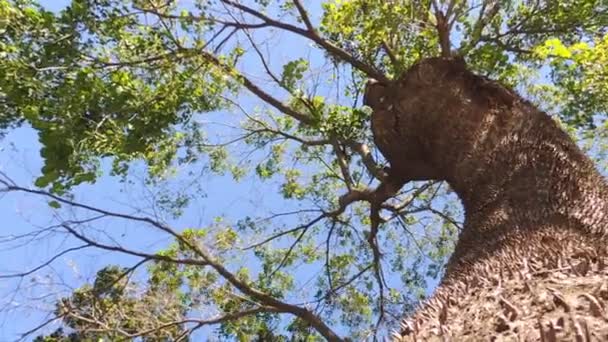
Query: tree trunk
column 531, row 261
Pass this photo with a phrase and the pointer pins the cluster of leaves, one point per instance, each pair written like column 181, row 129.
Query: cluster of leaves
column 96, row 82
column 375, row 29
column 112, row 309
column 581, row 74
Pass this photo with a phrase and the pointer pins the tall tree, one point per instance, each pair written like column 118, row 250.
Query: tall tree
column 530, row 262
column 126, row 81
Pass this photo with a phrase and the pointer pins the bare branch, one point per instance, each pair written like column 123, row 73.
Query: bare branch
column 327, row 268
column 45, row 264
column 123, row 250
column 40, row 326
column 286, row 232
column 264, row 63
column 417, row 192
column 444, row 216
column 147, row 220
column 289, row 251
column 319, row 142
column 337, row 289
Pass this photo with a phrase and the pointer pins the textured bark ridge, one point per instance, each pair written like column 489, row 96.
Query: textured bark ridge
column 531, row 263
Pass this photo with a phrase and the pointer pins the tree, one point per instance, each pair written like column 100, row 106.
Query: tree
column 117, row 81
column 530, row 261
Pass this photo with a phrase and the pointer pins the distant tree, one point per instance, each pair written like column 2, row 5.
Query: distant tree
column 129, row 80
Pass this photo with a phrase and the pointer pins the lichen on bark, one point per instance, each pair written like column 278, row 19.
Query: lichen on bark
column 531, row 261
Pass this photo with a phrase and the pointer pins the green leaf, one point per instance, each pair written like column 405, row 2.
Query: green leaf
column 54, row 204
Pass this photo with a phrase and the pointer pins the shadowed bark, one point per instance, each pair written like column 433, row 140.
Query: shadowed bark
column 531, row 261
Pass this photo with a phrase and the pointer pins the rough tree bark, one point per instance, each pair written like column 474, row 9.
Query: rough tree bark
column 531, row 263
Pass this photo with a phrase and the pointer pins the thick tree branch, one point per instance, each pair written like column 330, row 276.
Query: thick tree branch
column 304, row 15
column 443, row 31
column 368, row 160
column 343, row 164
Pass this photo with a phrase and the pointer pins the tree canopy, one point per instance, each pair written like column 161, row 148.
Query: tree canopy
column 266, row 91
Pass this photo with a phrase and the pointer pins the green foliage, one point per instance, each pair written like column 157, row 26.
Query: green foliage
column 580, row 74
column 363, row 27
column 73, row 88
column 292, row 73
column 112, row 302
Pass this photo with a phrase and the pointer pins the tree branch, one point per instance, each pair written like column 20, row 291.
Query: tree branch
column 341, row 159
column 480, row 24
column 302, row 313
column 368, row 160
column 257, row 90
column 338, row 52
column 257, row 295
column 286, row 232
column 210, row 321
column 44, row 264
column 304, row 15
